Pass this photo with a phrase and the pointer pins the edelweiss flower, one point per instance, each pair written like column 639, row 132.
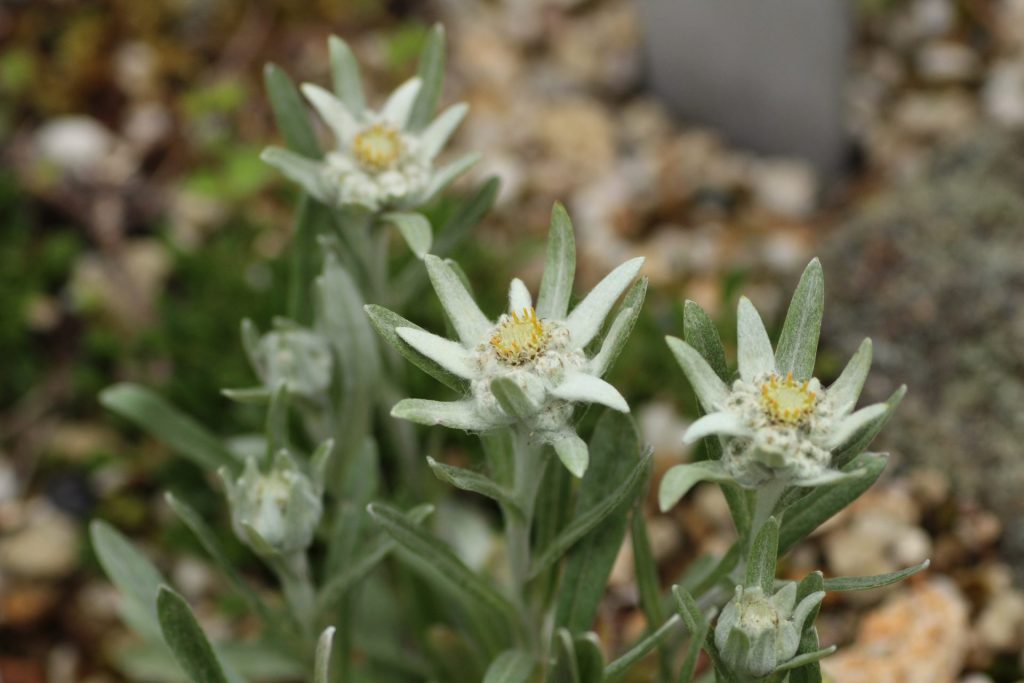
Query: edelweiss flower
column 380, row 161
column 296, row 357
column 774, row 426
column 528, row 367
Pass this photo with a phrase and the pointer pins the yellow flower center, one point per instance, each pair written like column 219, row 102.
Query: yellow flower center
column 520, row 337
column 378, row 147
column 786, row 400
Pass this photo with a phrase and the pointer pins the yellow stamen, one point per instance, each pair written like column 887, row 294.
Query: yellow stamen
column 786, row 400
column 378, row 147
column 520, row 337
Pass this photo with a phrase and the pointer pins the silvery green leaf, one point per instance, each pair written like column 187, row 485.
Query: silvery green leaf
column 579, row 387
column 587, row 318
column 133, row 575
column 208, row 539
column 303, row 170
column 620, row 329
column 433, row 558
column 701, row 334
column 615, row 445
column 511, row 666
column 589, row 658
column 450, row 355
column 434, row 137
column 863, row 438
column 248, row 395
column 572, row 451
column 617, row 669
column 845, row 391
column 322, row 662
column 399, row 104
column 810, row 672
column 414, row 228
column 451, row 414
column 809, row 511
column 710, row 389
column 566, row 669
column 559, row 268
column 333, row 112
column 755, row 349
column 289, row 113
column 345, row 78
column 697, row 639
column 518, row 296
column 466, row 317
column 723, row 422
column 446, row 175
column 468, row 480
column 805, row 659
column 861, row 583
column 186, row 639
column 513, row 399
column 855, row 423
column 431, row 73
column 687, row 608
column 764, row 552
column 168, row 425
column 798, row 341
column 647, row 581
column 586, row 522
column 386, row 323
column 681, row 478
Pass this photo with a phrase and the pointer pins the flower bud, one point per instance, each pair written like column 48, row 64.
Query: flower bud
column 297, row 358
column 275, row 512
column 757, row 633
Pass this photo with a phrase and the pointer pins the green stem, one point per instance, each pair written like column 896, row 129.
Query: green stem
column 527, row 473
column 293, row 572
column 766, row 499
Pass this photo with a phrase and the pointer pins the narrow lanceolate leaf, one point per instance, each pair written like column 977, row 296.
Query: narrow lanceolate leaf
column 811, row 671
column 431, row 73
column 572, row 451
column 702, row 335
column 589, row 658
column 566, row 669
column 586, row 522
column 511, row 666
column 763, row 555
column 856, row 444
column 208, row 540
column 439, row 562
column 681, row 478
column 579, row 387
column 186, row 639
column 754, row 348
column 687, row 608
column 863, row 583
column 647, row 581
column 345, row 78
column 805, row 659
column 469, row 322
column 467, row 480
column 588, row 316
column 559, row 268
column 414, row 228
column 168, row 425
column 617, row 669
column 289, row 112
column 322, row 662
column 808, row 512
column 710, row 389
column 798, row 342
column 621, row 328
column 845, row 391
column 809, row 585
column 697, row 639
column 615, row 445
column 450, row 355
column 386, row 322
column 133, row 575
column 451, row 414
column 512, row 398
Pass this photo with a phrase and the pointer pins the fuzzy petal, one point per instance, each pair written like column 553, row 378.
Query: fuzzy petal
column 452, row 414
column 469, row 321
column 434, row 137
column 333, row 112
column 396, row 109
column 845, row 391
column 755, row 349
column 710, row 389
column 450, row 355
column 586, row 319
column 307, row 172
column 518, row 297
column 853, row 423
column 583, row 388
column 723, row 422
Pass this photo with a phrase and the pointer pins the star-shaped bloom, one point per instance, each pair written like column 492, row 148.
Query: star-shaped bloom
column 382, row 159
column 530, row 366
column 775, row 425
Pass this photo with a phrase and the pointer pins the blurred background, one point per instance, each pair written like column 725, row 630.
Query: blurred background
column 728, row 142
